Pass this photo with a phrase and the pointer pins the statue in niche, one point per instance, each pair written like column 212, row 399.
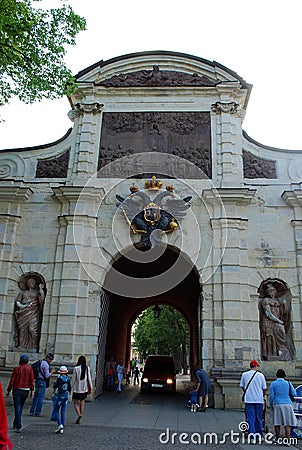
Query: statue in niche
column 29, row 311
column 275, row 321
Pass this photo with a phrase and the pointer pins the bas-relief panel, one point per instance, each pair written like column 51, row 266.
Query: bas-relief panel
column 183, row 134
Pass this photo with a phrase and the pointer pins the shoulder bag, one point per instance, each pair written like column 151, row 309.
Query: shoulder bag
column 243, row 395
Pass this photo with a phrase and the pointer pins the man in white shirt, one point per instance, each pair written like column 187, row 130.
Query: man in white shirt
column 253, row 385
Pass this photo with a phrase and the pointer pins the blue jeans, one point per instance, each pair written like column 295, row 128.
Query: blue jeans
column 19, row 398
column 254, row 413
column 60, row 409
column 54, row 401
column 37, row 403
column 110, row 382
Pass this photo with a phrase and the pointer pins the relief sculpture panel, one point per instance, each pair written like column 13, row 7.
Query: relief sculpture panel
column 183, row 134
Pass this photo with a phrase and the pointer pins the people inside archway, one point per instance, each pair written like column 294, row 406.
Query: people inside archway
column 203, row 388
column 81, row 386
column 41, row 383
column 132, row 366
column 21, row 383
column 274, row 324
column 5, row 442
column 281, row 403
column 28, row 314
column 253, row 385
column 136, row 375
column 120, row 371
column 110, row 373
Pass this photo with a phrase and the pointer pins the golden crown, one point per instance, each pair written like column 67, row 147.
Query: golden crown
column 153, row 183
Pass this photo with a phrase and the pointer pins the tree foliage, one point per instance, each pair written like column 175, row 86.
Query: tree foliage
column 32, row 48
column 166, row 335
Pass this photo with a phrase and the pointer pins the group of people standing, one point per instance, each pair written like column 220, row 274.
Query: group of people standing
column 23, row 383
column 117, row 372
column 254, row 387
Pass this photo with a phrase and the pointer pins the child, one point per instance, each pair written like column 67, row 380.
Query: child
column 194, row 399
column 62, row 386
column 128, row 377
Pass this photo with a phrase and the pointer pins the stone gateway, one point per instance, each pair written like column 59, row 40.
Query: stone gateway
column 156, row 195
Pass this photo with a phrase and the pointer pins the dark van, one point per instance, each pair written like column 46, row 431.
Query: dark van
column 159, row 374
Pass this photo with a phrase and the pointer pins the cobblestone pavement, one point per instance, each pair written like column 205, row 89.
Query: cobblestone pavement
column 130, row 421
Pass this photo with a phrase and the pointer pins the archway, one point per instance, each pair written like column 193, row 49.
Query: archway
column 185, row 296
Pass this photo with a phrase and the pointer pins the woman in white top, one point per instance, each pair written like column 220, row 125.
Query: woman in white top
column 81, row 386
column 120, row 370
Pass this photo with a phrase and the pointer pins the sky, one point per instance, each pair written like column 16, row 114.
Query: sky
column 258, row 39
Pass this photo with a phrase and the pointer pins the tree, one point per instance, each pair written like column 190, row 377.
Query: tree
column 166, row 335
column 32, row 48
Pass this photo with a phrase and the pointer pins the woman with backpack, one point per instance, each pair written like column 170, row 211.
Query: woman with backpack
column 61, row 388
column 81, row 386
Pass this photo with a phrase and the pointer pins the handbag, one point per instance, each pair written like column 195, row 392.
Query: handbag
column 243, row 395
column 290, row 393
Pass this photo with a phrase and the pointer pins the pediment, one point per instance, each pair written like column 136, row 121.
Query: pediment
column 159, row 68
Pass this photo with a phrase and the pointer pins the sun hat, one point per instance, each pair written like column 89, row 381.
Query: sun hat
column 254, row 363
column 63, row 369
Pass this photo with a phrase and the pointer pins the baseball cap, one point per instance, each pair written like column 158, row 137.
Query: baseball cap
column 50, row 356
column 254, row 363
column 63, row 369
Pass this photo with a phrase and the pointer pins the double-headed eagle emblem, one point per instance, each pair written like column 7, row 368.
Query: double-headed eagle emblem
column 153, row 217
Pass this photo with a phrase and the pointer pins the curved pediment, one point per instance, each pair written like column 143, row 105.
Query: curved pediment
column 158, row 68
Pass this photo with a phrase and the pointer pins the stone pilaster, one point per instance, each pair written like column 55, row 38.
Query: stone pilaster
column 229, row 279
column 228, row 121
column 87, row 118
column 75, row 312
column 11, row 199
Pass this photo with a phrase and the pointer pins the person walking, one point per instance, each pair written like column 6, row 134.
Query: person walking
column 5, row 442
column 41, row 382
column 81, row 386
column 21, row 383
column 280, row 392
column 120, row 370
column 136, row 375
column 110, row 368
column 62, row 387
column 254, row 386
column 203, row 388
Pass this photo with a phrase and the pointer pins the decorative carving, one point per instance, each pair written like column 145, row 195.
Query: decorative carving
column 90, row 108
column 275, row 321
column 184, row 134
column 29, row 311
column 11, row 166
column 153, row 217
column 255, row 167
column 157, row 77
column 229, row 108
column 53, row 168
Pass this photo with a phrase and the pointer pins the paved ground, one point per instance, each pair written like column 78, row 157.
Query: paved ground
column 131, row 421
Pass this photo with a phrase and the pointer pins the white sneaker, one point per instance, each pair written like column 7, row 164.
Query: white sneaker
column 60, row 429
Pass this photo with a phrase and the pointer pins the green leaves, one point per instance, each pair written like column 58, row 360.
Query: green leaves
column 166, row 335
column 33, row 44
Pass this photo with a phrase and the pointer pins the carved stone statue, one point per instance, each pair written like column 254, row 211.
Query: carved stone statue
column 29, row 311
column 275, row 321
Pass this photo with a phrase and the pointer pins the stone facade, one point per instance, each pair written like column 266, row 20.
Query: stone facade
column 178, row 117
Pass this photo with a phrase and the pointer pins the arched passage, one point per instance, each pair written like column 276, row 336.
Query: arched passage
column 185, row 296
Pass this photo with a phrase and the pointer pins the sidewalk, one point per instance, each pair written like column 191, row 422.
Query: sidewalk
column 133, row 421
